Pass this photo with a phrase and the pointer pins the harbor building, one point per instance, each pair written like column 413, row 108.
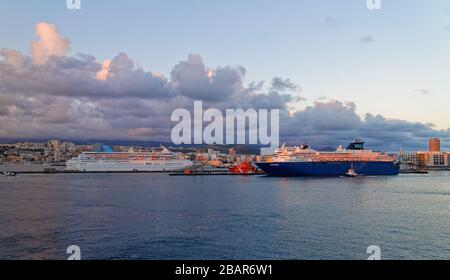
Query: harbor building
column 409, row 162
column 433, row 159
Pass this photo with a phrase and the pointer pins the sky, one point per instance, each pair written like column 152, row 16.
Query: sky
column 367, row 70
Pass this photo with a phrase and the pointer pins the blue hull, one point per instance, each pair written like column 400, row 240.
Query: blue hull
column 323, row 169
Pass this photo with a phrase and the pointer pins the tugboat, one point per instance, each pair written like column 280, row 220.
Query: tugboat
column 8, row 174
column 244, row 168
column 351, row 172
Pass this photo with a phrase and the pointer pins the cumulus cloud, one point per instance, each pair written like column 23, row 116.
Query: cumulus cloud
column 192, row 79
column 49, row 93
column 12, row 58
column 50, row 43
column 334, row 122
column 80, row 76
column 104, row 72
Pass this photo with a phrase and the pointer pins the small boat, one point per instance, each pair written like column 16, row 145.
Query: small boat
column 8, row 174
column 351, row 172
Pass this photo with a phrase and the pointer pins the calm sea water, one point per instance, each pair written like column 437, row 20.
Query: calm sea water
column 156, row 216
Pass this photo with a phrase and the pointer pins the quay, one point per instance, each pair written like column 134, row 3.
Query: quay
column 171, row 173
column 83, row 172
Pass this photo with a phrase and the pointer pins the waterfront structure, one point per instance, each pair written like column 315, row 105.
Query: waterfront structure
column 425, row 160
column 409, row 158
column 433, row 159
column 155, row 161
column 409, row 162
column 304, row 161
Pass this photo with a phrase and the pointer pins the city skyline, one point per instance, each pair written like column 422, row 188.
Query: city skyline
column 337, row 70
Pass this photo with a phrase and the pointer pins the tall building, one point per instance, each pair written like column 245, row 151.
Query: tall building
column 434, row 145
column 55, row 146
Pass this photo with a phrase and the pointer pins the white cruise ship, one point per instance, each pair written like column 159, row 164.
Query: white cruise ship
column 154, row 161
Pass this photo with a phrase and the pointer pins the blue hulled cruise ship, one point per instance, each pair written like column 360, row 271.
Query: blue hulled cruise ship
column 351, row 161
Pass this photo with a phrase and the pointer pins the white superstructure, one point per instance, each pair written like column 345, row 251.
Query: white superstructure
column 154, row 161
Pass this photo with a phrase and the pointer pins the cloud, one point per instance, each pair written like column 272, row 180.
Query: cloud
column 140, row 132
column 12, row 58
column 332, row 21
column 80, row 76
column 334, row 122
column 50, row 93
column 278, row 84
column 446, row 28
column 366, row 40
column 192, row 79
column 423, row 91
column 104, row 72
column 50, row 43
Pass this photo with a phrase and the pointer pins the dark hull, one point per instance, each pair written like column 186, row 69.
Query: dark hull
column 328, row 169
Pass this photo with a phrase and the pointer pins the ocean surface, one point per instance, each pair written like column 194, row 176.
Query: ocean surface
column 156, row 216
